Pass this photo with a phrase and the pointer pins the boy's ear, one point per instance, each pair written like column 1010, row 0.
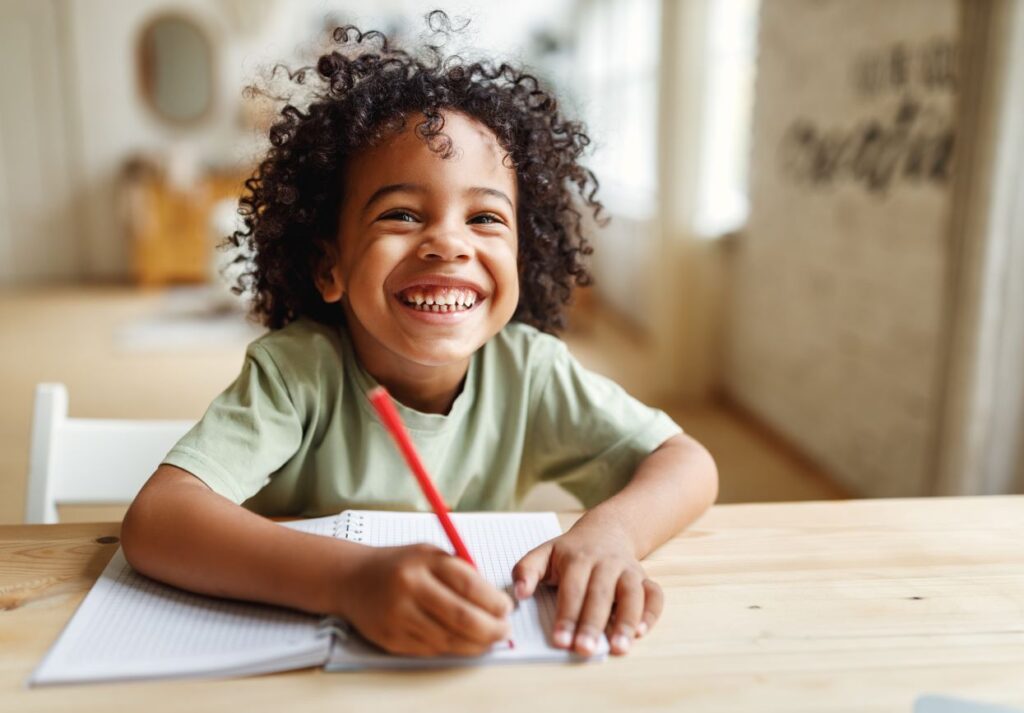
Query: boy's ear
column 328, row 277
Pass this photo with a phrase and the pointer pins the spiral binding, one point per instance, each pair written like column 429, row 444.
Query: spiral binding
column 334, row 627
column 350, row 526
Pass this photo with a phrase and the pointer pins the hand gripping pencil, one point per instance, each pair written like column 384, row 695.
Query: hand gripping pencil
column 393, row 422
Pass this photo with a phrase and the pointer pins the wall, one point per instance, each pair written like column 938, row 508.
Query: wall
column 837, row 317
column 109, row 121
column 112, row 122
column 36, row 235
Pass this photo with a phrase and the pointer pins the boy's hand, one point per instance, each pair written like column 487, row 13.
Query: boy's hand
column 594, row 568
column 420, row 601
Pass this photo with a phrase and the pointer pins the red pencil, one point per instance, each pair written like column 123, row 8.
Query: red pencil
column 393, row 422
column 385, row 407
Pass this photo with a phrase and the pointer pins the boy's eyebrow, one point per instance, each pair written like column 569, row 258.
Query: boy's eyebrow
column 392, row 188
column 481, row 190
column 416, row 188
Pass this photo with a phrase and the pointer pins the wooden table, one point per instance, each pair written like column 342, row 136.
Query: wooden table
column 824, row 606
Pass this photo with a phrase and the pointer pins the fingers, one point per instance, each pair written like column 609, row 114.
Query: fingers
column 629, row 609
column 572, row 588
column 403, row 633
column 412, row 643
column 586, row 598
column 452, row 609
column 442, row 605
column 654, row 602
column 597, row 608
column 531, row 570
column 462, row 579
column 438, row 638
column 421, row 635
column 461, row 625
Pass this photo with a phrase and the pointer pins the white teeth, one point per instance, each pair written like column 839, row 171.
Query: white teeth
column 440, row 308
column 442, row 300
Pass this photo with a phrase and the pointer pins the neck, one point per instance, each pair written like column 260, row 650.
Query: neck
column 428, row 389
column 427, row 395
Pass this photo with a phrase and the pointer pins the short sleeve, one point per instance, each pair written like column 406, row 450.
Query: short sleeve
column 586, row 433
column 247, row 433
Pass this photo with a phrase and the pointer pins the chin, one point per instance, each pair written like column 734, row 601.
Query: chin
column 437, row 355
column 437, row 358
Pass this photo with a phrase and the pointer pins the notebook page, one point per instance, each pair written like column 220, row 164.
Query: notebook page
column 325, row 526
column 496, row 542
column 130, row 626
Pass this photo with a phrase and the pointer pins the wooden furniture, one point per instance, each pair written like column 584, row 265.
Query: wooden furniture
column 822, row 606
column 169, row 226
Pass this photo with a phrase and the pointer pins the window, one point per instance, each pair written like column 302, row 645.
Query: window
column 728, row 97
column 618, row 51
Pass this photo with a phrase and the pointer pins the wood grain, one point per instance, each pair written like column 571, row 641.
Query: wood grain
column 824, row 606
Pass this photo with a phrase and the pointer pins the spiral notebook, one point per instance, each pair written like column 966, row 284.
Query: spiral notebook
column 132, row 627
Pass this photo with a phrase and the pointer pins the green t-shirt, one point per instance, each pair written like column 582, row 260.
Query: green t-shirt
column 295, row 434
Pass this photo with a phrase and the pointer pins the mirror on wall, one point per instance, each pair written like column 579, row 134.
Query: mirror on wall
column 175, row 66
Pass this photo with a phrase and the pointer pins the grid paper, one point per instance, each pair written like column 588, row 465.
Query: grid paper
column 130, row 626
column 496, row 541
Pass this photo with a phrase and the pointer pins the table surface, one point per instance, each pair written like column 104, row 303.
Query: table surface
column 825, row 606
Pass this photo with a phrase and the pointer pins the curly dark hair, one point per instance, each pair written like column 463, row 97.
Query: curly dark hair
column 365, row 90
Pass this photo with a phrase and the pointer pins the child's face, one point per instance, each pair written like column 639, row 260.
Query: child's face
column 426, row 265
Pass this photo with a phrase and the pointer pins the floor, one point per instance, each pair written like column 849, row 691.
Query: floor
column 105, row 344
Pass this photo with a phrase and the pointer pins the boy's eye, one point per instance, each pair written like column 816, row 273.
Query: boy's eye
column 485, row 219
column 403, row 216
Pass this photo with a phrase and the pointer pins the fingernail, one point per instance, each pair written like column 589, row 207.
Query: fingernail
column 520, row 589
column 621, row 643
column 641, row 629
column 585, row 644
column 563, row 638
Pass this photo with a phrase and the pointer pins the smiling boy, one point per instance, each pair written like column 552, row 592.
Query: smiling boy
column 360, row 273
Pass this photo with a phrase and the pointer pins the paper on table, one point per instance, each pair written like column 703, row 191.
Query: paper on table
column 130, row 626
column 946, row 704
column 496, row 541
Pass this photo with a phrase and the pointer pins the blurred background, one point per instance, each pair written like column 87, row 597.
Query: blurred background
column 814, row 260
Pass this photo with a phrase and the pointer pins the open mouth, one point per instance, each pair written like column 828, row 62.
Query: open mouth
column 443, row 299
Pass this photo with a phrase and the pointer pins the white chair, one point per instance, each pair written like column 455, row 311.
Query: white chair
column 89, row 461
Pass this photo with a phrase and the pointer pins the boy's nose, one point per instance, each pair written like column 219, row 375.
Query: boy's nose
column 445, row 245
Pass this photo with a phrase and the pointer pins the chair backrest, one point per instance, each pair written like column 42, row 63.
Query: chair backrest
column 89, row 461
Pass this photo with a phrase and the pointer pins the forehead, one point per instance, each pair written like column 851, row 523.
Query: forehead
column 476, row 158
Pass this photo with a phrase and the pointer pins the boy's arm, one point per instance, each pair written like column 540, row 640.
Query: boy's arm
column 179, row 531
column 671, row 488
column 414, row 600
column 596, row 563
